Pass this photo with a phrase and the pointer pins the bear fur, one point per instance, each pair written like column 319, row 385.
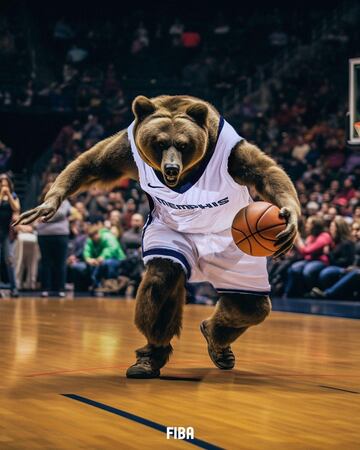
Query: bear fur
column 177, row 131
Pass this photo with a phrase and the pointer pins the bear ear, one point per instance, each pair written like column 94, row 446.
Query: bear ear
column 142, row 107
column 199, row 112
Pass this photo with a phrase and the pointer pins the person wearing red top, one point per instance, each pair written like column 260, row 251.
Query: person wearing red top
column 346, row 193
column 303, row 274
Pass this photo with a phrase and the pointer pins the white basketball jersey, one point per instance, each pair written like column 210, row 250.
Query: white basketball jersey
column 208, row 202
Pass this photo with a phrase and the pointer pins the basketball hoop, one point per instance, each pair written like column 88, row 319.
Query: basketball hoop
column 357, row 127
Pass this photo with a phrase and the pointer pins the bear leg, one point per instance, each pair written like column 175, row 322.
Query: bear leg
column 233, row 315
column 158, row 315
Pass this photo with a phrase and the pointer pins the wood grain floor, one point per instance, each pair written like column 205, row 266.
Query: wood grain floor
column 296, row 384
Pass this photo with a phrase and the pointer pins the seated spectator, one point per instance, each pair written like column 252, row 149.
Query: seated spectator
column 79, row 212
column 102, row 255
column 130, row 209
column 132, row 238
column 93, row 129
column 347, row 285
column 278, row 269
column 115, row 222
column 76, row 54
column 303, row 274
column 96, row 202
column 143, row 207
column 116, row 201
column 78, row 238
column 346, row 193
column 341, row 254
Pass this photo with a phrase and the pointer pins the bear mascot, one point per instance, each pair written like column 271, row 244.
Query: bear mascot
column 196, row 171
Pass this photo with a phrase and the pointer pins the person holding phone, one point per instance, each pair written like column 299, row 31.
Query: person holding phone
column 9, row 208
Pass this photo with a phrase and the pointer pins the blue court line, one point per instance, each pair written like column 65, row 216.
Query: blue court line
column 138, row 419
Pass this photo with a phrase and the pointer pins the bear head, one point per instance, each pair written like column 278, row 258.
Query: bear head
column 171, row 135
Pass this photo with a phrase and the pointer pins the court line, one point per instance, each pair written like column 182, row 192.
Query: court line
column 148, row 423
column 338, row 389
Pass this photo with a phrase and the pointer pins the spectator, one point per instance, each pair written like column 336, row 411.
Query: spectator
column 53, row 238
column 303, row 274
column 93, row 129
column 132, row 238
column 115, row 220
column 143, row 207
column 76, row 54
column 5, row 155
column 64, row 141
column 9, row 207
column 102, row 254
column 341, row 254
column 79, row 212
column 176, row 30
column 26, row 257
column 130, row 209
column 75, row 260
column 96, row 203
column 348, row 286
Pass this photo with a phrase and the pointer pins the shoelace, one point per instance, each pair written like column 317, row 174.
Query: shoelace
column 144, row 360
column 224, row 352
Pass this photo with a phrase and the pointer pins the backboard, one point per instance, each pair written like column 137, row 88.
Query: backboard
column 354, row 101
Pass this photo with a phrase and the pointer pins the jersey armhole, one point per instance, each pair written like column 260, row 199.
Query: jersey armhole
column 225, row 168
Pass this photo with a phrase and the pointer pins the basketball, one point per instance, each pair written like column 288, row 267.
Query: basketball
column 255, row 227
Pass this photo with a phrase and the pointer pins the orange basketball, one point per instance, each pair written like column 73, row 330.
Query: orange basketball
column 255, row 227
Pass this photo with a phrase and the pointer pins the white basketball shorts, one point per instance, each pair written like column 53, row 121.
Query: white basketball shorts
column 207, row 257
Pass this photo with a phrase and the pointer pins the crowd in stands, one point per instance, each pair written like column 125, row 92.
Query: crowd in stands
column 97, row 65
column 94, row 242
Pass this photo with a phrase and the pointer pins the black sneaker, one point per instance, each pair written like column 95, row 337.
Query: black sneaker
column 14, row 293
column 149, row 361
column 223, row 358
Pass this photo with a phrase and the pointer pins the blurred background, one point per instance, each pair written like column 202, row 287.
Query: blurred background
column 278, row 73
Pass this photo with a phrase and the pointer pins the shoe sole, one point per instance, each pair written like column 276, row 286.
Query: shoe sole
column 141, row 374
column 202, row 329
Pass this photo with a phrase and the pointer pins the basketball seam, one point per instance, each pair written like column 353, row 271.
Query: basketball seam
column 258, row 232
column 247, row 236
column 263, row 246
column 257, row 222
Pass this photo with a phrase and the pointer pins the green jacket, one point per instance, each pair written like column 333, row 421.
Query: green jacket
column 108, row 247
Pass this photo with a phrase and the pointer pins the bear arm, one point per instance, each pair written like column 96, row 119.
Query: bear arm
column 103, row 164
column 249, row 166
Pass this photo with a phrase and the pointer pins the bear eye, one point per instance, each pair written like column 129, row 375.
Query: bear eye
column 182, row 146
column 162, row 145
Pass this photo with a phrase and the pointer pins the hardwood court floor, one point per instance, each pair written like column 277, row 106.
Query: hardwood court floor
column 296, row 383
